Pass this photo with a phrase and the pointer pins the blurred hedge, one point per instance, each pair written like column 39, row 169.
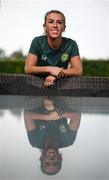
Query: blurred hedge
column 96, row 67
column 90, row 67
column 10, row 66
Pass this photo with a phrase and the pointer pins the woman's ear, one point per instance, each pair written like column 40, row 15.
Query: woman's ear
column 64, row 28
column 44, row 27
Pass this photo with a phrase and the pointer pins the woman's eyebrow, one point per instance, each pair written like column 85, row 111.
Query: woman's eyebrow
column 58, row 20
column 54, row 19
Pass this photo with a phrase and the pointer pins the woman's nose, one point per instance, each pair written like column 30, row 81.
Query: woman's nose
column 54, row 24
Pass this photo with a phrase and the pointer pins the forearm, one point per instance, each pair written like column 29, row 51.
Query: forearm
column 72, row 72
column 30, row 117
column 36, row 69
column 45, row 117
column 49, row 70
column 75, row 68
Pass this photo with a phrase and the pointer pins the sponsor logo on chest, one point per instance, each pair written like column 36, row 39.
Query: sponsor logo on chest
column 43, row 58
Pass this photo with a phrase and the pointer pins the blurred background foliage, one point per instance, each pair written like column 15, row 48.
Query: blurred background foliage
column 14, row 64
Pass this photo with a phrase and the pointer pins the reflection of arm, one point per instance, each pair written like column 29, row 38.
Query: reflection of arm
column 29, row 118
column 51, row 116
column 74, row 119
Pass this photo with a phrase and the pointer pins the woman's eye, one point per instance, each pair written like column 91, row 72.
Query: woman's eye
column 55, row 164
column 59, row 22
column 47, row 164
column 50, row 21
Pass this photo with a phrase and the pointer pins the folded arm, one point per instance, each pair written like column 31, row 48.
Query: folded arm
column 75, row 68
column 53, row 72
column 32, row 68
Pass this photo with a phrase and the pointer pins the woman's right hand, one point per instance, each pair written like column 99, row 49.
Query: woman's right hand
column 54, row 71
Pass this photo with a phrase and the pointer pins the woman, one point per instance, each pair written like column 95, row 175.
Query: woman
column 48, row 129
column 52, row 55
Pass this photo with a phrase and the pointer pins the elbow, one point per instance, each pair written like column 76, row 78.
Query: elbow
column 79, row 72
column 27, row 71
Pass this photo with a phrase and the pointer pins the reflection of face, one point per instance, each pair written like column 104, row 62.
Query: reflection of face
column 54, row 25
column 49, row 104
column 50, row 161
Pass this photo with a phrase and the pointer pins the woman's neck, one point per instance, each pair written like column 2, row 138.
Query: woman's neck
column 55, row 43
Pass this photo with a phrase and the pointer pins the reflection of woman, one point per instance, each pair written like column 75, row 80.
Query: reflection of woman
column 48, row 129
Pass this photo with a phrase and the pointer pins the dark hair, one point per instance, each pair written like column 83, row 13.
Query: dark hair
column 57, row 12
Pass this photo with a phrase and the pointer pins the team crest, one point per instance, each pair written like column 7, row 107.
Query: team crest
column 62, row 128
column 64, row 57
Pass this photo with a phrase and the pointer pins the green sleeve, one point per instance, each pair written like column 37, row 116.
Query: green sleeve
column 34, row 47
column 74, row 49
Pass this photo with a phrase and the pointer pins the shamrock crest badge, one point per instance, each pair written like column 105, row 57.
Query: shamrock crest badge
column 64, row 57
column 62, row 128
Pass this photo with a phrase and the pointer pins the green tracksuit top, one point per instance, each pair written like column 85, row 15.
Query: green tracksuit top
column 50, row 57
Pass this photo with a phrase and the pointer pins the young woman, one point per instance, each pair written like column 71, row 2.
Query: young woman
column 49, row 130
column 51, row 55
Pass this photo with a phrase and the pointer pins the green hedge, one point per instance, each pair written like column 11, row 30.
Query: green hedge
column 90, row 67
column 96, row 68
column 12, row 66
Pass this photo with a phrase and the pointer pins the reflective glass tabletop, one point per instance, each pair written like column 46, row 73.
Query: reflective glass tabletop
column 46, row 137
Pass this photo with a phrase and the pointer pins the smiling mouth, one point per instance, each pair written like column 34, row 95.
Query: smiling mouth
column 55, row 31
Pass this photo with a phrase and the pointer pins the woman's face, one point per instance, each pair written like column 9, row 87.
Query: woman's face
column 54, row 25
column 50, row 161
